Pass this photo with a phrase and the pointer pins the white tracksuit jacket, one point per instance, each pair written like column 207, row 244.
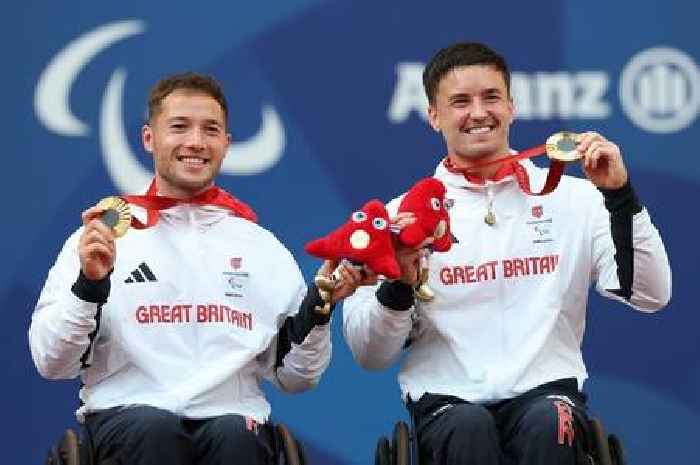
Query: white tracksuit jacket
column 510, row 304
column 190, row 324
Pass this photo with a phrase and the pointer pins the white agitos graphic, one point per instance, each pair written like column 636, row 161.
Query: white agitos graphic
column 660, row 90
column 51, row 103
column 53, row 89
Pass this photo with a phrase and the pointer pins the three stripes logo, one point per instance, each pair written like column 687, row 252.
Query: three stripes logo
column 141, row 274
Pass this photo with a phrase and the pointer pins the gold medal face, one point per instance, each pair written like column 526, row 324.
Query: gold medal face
column 116, row 214
column 562, row 146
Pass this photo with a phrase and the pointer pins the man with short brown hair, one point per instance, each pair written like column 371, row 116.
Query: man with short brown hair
column 172, row 327
column 493, row 371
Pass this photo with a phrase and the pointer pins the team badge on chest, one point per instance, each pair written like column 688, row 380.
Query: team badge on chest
column 540, row 225
column 235, row 278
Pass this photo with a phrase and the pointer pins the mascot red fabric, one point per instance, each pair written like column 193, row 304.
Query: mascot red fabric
column 365, row 238
column 426, row 200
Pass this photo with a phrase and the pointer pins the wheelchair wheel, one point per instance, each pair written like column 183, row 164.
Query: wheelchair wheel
column 617, row 454
column 302, row 454
column 67, row 452
column 401, row 448
column 290, row 452
column 602, row 450
column 54, row 456
column 382, row 454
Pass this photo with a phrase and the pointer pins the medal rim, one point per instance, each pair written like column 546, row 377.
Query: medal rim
column 122, row 208
column 553, row 151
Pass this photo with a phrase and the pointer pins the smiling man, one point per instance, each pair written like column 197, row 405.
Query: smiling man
column 474, row 112
column 494, row 372
column 186, row 158
column 171, row 335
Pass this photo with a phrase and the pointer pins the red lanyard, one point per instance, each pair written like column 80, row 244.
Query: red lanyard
column 153, row 203
column 511, row 166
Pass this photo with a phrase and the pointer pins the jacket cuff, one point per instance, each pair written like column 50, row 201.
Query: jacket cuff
column 308, row 306
column 95, row 291
column 395, row 295
column 622, row 200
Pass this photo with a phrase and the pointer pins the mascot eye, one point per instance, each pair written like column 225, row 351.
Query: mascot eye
column 435, row 203
column 379, row 223
column 359, row 217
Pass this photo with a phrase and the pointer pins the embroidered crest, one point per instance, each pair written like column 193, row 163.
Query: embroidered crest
column 537, row 211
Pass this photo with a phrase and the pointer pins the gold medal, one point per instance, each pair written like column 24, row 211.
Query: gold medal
column 562, row 146
column 116, row 214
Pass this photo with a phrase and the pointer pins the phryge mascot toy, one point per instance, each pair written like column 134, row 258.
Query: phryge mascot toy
column 364, row 240
column 426, row 201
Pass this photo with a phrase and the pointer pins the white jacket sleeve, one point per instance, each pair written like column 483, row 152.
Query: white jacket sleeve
column 59, row 334
column 630, row 261
column 376, row 333
column 301, row 351
column 302, row 367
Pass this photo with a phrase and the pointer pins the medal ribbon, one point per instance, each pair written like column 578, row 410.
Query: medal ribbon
column 153, row 203
column 556, row 169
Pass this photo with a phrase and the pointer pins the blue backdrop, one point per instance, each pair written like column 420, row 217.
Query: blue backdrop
column 327, row 112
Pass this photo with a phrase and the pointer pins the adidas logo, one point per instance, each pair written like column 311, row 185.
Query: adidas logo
column 141, row 274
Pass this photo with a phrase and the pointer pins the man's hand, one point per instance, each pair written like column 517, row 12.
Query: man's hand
column 408, row 258
column 350, row 278
column 96, row 247
column 602, row 161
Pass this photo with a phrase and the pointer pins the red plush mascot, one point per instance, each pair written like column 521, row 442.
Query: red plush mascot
column 426, row 200
column 365, row 239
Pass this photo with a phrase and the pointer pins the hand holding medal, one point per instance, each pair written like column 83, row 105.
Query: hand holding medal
column 602, row 161
column 96, row 248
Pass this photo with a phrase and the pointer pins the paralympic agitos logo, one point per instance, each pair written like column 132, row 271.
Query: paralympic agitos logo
column 52, row 107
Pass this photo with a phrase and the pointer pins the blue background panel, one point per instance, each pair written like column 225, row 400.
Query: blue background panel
column 345, row 127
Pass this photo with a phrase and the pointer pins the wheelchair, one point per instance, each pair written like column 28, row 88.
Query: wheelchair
column 68, row 449
column 403, row 447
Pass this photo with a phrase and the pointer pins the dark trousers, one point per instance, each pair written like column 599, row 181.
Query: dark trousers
column 545, row 426
column 143, row 435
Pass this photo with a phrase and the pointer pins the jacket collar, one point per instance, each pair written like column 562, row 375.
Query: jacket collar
column 505, row 174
